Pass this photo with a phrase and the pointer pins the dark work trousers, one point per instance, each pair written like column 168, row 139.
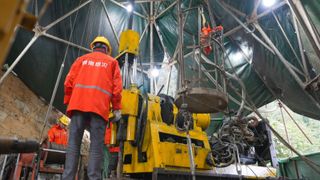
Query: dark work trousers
column 113, row 162
column 97, row 127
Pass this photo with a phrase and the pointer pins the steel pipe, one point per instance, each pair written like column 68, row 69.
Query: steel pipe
column 309, row 162
column 298, row 126
column 213, row 23
column 169, row 80
column 151, row 21
column 17, row 60
column 143, row 9
column 43, row 9
column 285, row 126
column 178, row 45
column 109, row 20
column 263, row 14
column 243, row 88
column 209, row 76
column 130, row 21
column 3, row 166
column 142, row 1
column 126, row 71
column 56, row 86
column 165, row 10
column 248, row 60
column 290, row 45
column 144, row 32
column 66, row 15
column 302, row 17
column 180, row 49
column 255, row 9
column 16, row 167
column 236, row 11
column 245, row 27
column 200, row 11
column 65, row 42
column 160, row 37
column 38, row 32
column 275, row 50
column 124, row 7
column 304, row 61
column 53, row 150
column 286, row 64
column 14, row 145
column 156, row 12
column 191, row 156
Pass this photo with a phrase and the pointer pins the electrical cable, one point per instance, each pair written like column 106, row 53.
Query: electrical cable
column 309, row 162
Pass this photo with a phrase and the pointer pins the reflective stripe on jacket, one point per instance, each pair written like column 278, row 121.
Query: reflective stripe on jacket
column 93, row 82
column 58, row 135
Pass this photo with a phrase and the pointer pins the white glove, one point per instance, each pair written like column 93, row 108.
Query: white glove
column 117, row 116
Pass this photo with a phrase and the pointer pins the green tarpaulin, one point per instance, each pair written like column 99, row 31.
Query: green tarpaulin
column 263, row 74
column 295, row 168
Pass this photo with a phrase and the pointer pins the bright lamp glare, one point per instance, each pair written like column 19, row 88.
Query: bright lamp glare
column 154, row 72
column 236, row 57
column 268, row 3
column 129, row 7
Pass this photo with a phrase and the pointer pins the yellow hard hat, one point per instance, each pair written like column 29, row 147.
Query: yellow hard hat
column 64, row 120
column 103, row 40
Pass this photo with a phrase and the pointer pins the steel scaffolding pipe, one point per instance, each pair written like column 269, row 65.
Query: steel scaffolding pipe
column 165, row 10
column 124, row 7
column 160, row 36
column 303, row 57
column 66, row 15
column 273, row 48
column 17, row 60
column 304, row 67
column 109, row 20
column 178, row 45
column 219, row 87
column 244, row 26
column 286, row 64
column 39, row 31
column 263, row 14
column 153, row 87
column 213, row 23
column 144, row 32
column 180, row 48
column 303, row 19
column 236, row 11
column 66, row 42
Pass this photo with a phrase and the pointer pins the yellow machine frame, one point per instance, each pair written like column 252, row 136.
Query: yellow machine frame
column 12, row 14
column 163, row 147
column 159, row 152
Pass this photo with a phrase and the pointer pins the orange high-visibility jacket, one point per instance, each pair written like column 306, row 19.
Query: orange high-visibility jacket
column 93, row 82
column 58, row 135
column 107, row 139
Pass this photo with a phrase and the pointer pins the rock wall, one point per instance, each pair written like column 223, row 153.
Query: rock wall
column 22, row 113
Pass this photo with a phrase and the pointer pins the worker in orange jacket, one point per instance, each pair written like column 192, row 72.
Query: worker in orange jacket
column 58, row 132
column 93, row 82
column 112, row 155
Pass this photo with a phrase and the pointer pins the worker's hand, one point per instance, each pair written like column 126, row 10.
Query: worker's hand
column 117, row 116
